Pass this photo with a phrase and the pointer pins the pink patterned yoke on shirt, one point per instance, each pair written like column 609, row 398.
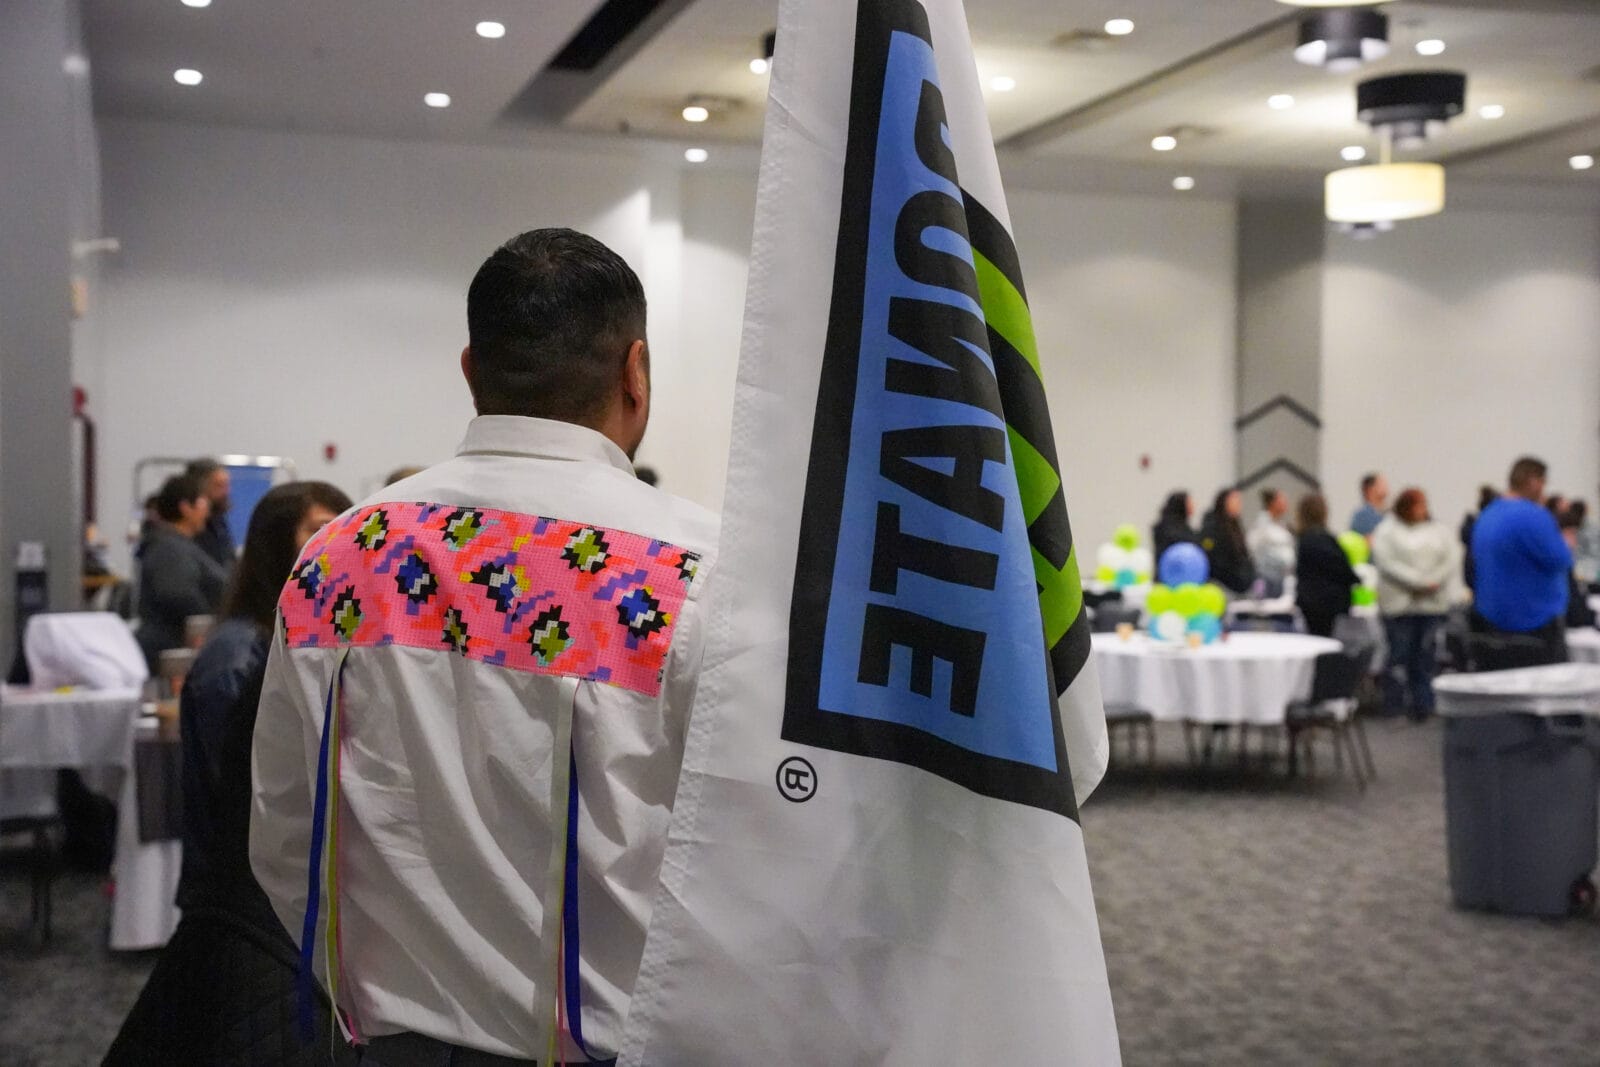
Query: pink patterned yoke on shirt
column 517, row 591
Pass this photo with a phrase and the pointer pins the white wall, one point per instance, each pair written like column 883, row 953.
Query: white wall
column 277, row 292
column 1455, row 344
column 1133, row 302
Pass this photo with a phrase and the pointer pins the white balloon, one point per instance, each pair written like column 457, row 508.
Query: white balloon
column 1140, row 561
column 1110, row 557
column 1170, row 626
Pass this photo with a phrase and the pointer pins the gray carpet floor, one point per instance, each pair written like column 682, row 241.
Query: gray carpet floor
column 1246, row 920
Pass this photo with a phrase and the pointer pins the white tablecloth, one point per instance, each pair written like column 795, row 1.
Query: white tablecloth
column 95, row 731
column 1249, row 678
column 1584, row 645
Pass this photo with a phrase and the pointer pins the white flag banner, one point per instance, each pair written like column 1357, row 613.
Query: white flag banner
column 875, row 854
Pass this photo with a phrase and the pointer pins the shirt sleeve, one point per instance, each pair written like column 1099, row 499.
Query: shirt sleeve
column 175, row 583
column 281, row 800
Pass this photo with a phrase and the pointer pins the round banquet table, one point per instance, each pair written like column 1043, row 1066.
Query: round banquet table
column 1248, row 678
column 1584, row 645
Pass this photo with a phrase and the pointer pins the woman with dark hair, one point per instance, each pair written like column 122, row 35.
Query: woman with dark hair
column 1419, row 568
column 230, row 960
column 1323, row 574
column 1172, row 525
column 176, row 578
column 1222, row 536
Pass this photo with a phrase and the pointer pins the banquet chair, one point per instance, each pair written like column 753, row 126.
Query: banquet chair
column 28, row 806
column 1331, row 708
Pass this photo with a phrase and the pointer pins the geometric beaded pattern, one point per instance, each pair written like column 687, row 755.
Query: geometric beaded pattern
column 518, row 591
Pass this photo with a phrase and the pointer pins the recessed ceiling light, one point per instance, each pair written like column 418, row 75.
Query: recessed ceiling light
column 1280, row 101
column 1002, row 83
column 436, row 99
column 1492, row 111
column 1431, row 47
column 185, row 76
column 1584, row 162
column 1353, row 153
column 492, row 30
column 695, row 113
column 696, row 155
column 1164, row 143
column 1183, row 183
column 196, row 3
column 760, row 66
column 1119, row 27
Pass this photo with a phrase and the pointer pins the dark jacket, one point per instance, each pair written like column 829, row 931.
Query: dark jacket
column 217, row 720
column 1172, row 525
column 1323, row 580
column 223, row 992
column 1223, row 539
column 216, row 541
column 176, row 580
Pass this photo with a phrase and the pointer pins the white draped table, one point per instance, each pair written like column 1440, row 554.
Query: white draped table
column 94, row 731
column 1584, row 645
column 1248, row 678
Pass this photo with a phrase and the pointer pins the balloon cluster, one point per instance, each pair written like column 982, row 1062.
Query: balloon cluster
column 1184, row 602
column 1359, row 553
column 1124, row 561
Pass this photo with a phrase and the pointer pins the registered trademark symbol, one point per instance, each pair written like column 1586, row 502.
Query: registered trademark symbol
column 797, row 780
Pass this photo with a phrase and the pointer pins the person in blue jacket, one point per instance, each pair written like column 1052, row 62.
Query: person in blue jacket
column 1522, row 562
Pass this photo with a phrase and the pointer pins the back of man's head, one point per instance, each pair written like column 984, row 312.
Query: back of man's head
column 1368, row 483
column 1526, row 475
column 551, row 316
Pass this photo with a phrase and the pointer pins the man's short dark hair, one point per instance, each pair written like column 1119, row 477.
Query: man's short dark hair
column 1267, row 497
column 1367, row 482
column 550, row 317
column 202, row 468
column 179, row 489
column 1525, row 470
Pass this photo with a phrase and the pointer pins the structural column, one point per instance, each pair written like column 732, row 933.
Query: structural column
column 1278, row 430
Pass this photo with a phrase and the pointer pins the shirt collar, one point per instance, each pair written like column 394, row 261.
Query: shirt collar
column 518, row 435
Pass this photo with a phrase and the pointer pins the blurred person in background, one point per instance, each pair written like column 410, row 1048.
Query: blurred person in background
column 1222, row 536
column 1579, row 614
column 216, row 539
column 230, row 957
column 1586, row 545
column 1419, row 569
column 177, row 578
column 1522, row 565
column 1324, row 577
column 1172, row 525
column 1374, row 499
column 1272, row 542
column 1487, row 494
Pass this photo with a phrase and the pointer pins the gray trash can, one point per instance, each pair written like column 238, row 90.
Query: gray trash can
column 1522, row 788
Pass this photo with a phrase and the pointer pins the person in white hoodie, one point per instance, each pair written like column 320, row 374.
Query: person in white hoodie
column 1272, row 543
column 1419, row 568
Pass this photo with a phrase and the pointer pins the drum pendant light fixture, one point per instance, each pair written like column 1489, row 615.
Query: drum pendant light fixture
column 1385, row 192
column 1343, row 38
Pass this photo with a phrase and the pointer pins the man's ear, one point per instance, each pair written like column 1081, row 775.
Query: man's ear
column 466, row 372
column 636, row 375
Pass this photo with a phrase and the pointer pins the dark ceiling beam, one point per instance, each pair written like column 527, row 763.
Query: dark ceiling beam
column 1278, row 35
column 1521, row 7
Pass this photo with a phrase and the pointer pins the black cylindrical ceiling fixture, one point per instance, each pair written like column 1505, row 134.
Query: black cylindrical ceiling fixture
column 1408, row 104
column 1343, row 38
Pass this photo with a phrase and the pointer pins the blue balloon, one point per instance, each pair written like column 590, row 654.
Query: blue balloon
column 1184, row 564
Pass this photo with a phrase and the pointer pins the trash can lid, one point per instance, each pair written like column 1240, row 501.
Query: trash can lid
column 1559, row 689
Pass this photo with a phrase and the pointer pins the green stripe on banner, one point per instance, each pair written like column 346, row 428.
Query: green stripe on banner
column 1060, row 595
column 1006, row 310
column 1036, row 478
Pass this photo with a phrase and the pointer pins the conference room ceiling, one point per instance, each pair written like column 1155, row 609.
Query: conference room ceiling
column 1205, row 69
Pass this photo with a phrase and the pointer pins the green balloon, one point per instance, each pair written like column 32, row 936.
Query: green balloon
column 1159, row 602
column 1363, row 597
column 1213, row 601
column 1106, row 574
column 1126, row 536
column 1355, row 547
column 1189, row 601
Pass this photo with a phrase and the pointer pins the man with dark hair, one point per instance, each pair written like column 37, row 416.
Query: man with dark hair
column 1521, row 564
column 512, row 640
column 216, row 540
column 1374, row 499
